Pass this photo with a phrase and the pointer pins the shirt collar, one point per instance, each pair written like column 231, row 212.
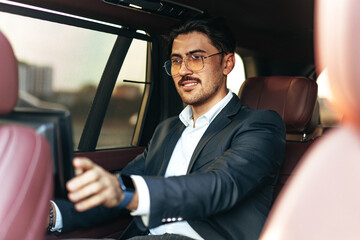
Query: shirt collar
column 186, row 114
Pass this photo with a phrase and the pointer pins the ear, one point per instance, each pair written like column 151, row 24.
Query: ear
column 228, row 63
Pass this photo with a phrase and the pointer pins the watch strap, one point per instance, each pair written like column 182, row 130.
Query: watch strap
column 128, row 195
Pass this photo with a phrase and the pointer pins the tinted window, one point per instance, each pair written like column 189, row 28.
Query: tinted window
column 122, row 113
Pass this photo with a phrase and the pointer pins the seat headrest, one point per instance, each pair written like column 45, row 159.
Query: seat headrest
column 294, row 98
column 8, row 76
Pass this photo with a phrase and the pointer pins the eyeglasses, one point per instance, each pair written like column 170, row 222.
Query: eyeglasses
column 192, row 62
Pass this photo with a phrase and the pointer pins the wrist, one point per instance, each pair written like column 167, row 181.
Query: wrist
column 128, row 190
column 133, row 205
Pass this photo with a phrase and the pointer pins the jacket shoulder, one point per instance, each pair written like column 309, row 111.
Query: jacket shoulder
column 261, row 114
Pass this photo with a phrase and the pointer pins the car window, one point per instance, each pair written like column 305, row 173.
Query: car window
column 237, row 75
column 122, row 113
column 60, row 66
column 328, row 116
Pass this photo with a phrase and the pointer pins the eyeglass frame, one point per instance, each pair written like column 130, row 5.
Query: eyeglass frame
column 184, row 61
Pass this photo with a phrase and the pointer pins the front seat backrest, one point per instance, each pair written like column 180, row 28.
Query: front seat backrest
column 26, row 173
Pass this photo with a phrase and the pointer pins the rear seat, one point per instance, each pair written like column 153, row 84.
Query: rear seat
column 295, row 99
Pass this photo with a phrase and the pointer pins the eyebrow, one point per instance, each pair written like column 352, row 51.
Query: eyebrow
column 191, row 52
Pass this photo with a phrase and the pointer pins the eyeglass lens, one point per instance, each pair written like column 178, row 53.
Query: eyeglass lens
column 193, row 63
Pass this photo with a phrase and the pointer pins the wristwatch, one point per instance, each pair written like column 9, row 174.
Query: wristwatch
column 127, row 186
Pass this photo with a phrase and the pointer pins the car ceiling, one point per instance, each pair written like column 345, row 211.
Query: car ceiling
column 274, row 29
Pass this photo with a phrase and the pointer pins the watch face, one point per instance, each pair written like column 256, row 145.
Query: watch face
column 129, row 185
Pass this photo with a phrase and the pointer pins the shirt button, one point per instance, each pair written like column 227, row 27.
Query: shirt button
column 173, row 219
column 180, row 219
column 168, row 220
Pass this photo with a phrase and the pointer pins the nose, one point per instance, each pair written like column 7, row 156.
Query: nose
column 184, row 70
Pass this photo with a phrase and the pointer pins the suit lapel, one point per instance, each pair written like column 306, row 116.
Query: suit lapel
column 221, row 121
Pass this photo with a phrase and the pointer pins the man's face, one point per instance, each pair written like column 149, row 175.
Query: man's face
column 208, row 85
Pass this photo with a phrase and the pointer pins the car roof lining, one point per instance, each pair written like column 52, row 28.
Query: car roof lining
column 279, row 29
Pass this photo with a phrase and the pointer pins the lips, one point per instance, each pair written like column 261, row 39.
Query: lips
column 188, row 83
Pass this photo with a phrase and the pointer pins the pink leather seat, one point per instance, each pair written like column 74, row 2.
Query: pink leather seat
column 294, row 98
column 25, row 164
column 322, row 200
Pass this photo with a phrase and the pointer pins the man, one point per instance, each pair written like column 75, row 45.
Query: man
column 207, row 174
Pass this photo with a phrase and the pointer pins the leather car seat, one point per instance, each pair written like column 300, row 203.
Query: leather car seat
column 295, row 100
column 322, row 200
column 26, row 172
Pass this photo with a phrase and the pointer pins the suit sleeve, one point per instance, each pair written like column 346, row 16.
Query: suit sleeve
column 252, row 160
column 73, row 219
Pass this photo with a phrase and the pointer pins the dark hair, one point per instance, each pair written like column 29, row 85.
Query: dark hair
column 216, row 29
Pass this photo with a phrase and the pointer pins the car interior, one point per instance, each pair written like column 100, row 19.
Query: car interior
column 89, row 78
column 320, row 201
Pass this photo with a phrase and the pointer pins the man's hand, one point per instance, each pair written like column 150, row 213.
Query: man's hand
column 93, row 186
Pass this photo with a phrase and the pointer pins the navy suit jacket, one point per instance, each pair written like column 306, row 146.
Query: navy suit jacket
column 228, row 189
